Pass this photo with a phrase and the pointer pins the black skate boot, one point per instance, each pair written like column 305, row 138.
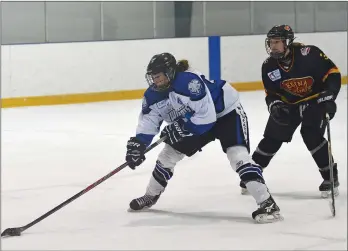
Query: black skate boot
column 143, row 202
column 325, row 187
column 268, row 212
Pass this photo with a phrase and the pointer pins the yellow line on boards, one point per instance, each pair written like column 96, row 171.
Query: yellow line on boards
column 105, row 96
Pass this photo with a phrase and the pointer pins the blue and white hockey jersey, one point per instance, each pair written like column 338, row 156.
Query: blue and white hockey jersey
column 198, row 101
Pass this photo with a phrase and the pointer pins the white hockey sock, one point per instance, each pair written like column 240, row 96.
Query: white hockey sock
column 154, row 188
column 258, row 190
column 164, row 169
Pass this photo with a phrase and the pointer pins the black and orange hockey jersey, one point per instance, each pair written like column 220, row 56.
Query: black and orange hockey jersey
column 309, row 73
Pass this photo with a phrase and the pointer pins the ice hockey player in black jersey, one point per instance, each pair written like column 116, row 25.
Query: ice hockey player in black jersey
column 301, row 85
column 198, row 111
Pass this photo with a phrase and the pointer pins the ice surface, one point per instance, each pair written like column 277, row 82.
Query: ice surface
column 51, row 153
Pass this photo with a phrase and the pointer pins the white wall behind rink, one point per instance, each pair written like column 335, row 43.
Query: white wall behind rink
column 65, row 68
column 47, row 69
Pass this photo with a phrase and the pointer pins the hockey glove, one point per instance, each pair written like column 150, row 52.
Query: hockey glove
column 326, row 100
column 175, row 132
column 135, row 152
column 280, row 112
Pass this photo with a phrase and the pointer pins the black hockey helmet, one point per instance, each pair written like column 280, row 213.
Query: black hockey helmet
column 283, row 32
column 165, row 63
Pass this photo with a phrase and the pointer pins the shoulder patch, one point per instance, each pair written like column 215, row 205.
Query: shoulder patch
column 195, row 87
column 190, row 85
column 305, row 51
column 274, row 75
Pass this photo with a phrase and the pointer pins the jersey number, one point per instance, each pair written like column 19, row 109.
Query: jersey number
column 324, row 56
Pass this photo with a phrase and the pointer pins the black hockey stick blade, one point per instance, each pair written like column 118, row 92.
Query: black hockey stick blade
column 332, row 207
column 12, row 232
column 18, row 230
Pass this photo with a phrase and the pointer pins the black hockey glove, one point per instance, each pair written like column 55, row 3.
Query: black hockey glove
column 135, row 152
column 280, row 112
column 326, row 100
column 175, row 132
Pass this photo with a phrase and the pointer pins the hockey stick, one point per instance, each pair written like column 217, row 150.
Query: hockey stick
column 297, row 102
column 332, row 202
column 18, row 230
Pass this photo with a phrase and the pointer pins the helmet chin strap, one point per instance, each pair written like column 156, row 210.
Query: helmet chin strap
column 277, row 55
column 286, row 58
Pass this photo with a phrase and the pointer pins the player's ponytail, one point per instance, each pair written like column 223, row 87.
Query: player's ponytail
column 297, row 44
column 182, row 65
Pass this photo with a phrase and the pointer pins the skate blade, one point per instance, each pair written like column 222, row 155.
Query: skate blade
column 145, row 209
column 327, row 194
column 244, row 191
column 332, row 208
column 267, row 218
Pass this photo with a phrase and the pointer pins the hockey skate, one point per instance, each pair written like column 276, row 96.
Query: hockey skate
column 143, row 202
column 325, row 186
column 268, row 212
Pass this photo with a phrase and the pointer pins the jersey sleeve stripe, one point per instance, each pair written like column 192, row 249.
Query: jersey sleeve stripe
column 332, row 70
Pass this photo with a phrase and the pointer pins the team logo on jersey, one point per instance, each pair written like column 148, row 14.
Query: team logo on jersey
column 305, row 51
column 195, row 87
column 162, row 104
column 182, row 112
column 274, row 75
column 298, row 86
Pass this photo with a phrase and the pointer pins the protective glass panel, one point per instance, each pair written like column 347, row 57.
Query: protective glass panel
column 73, row 21
column 304, row 17
column 228, row 18
column 164, row 20
column 128, row 20
column 197, row 20
column 23, row 22
column 269, row 14
column 331, row 16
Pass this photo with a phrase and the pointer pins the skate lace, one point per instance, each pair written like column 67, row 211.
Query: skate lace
column 145, row 200
column 266, row 204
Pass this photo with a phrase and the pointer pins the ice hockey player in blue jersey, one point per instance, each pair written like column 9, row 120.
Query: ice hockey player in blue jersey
column 197, row 111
